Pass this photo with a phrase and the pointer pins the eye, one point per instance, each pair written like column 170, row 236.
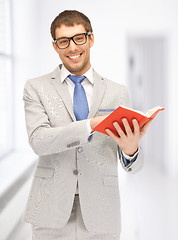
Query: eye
column 79, row 38
column 63, row 41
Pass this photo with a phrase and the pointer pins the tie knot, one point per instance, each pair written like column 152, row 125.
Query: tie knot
column 76, row 78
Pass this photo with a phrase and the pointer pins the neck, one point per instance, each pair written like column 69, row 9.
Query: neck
column 81, row 72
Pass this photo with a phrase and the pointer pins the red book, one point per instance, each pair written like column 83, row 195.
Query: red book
column 125, row 112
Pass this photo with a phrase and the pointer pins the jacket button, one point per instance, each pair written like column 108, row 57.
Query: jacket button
column 75, row 172
column 80, row 149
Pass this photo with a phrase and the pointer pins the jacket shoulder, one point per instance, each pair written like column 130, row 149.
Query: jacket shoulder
column 116, row 85
column 39, row 80
column 111, row 83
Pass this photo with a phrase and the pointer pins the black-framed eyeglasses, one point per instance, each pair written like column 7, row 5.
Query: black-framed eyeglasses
column 78, row 39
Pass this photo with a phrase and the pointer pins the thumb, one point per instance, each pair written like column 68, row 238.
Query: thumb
column 144, row 127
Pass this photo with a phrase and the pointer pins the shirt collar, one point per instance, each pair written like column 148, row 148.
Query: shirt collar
column 88, row 74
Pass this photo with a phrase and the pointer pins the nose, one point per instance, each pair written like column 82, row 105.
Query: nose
column 72, row 46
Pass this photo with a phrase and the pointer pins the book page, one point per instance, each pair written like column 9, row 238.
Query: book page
column 140, row 112
column 152, row 110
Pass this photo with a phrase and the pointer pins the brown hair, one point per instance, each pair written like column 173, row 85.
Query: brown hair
column 69, row 18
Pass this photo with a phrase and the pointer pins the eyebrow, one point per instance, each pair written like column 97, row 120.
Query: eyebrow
column 70, row 36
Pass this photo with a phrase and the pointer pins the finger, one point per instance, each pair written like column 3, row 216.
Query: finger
column 127, row 126
column 118, row 129
column 136, row 127
column 112, row 135
column 145, row 127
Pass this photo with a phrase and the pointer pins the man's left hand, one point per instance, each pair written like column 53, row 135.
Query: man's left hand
column 128, row 141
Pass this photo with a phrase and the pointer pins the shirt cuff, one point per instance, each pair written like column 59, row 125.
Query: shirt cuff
column 127, row 159
column 130, row 158
column 90, row 133
column 89, row 127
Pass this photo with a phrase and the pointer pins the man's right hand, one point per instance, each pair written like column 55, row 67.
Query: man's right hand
column 95, row 121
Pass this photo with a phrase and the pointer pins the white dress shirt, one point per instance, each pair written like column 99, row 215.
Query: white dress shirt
column 87, row 83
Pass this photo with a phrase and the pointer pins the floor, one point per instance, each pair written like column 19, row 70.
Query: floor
column 149, row 207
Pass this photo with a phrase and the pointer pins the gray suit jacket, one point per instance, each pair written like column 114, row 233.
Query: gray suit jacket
column 62, row 145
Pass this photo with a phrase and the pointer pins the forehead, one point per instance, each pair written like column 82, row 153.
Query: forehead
column 68, row 31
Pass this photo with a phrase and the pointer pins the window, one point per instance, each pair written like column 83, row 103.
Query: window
column 6, row 84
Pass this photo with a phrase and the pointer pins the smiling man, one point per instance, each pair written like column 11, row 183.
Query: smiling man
column 74, row 193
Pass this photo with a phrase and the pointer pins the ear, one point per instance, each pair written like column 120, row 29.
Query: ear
column 55, row 47
column 91, row 40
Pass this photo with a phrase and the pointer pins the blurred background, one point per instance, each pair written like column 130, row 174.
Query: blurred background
column 136, row 44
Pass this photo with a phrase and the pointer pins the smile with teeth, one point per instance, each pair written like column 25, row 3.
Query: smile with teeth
column 74, row 57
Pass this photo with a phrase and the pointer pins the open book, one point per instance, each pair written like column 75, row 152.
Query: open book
column 125, row 112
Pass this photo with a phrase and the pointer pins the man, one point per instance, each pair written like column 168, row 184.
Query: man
column 74, row 194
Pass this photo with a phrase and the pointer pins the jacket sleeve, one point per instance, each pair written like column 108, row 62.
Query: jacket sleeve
column 43, row 138
column 135, row 166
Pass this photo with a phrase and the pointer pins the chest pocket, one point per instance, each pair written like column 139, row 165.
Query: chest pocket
column 105, row 111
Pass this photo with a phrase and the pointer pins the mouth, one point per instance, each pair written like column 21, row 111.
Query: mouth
column 75, row 58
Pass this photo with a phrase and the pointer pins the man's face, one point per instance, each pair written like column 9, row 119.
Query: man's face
column 76, row 58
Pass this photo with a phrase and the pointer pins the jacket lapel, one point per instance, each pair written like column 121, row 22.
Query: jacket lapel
column 98, row 93
column 63, row 91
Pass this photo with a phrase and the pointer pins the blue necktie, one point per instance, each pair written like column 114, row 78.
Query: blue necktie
column 79, row 99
